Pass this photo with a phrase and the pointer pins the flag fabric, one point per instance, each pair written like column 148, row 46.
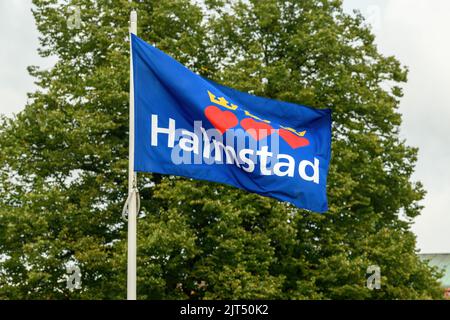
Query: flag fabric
column 189, row 126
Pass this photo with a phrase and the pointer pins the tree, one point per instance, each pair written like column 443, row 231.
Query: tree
column 63, row 162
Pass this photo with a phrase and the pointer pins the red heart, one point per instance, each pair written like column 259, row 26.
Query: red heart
column 221, row 120
column 292, row 139
column 259, row 131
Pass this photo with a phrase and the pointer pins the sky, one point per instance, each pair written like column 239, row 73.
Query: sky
column 415, row 31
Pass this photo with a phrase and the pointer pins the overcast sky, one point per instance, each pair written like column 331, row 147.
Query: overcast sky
column 415, row 31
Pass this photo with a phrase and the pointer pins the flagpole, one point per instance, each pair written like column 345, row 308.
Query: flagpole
column 132, row 181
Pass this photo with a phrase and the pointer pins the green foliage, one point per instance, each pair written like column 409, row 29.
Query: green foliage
column 63, row 162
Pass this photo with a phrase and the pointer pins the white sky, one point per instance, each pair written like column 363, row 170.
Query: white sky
column 415, row 31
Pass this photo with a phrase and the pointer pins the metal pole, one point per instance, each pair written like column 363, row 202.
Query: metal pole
column 132, row 181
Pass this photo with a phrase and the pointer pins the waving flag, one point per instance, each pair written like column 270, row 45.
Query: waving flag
column 189, row 126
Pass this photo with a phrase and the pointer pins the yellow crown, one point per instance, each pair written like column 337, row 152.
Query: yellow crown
column 221, row 101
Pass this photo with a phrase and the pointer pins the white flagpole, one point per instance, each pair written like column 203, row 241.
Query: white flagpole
column 132, row 182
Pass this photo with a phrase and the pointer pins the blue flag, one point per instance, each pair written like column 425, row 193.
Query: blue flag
column 189, row 126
